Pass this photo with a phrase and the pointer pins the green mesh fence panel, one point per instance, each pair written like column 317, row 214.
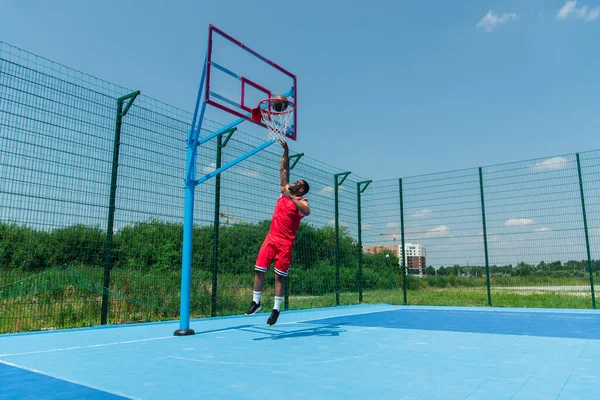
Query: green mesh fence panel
column 348, row 229
column 443, row 220
column 590, row 171
column 57, row 134
column 146, row 263
column 535, row 234
column 381, row 238
column 56, row 130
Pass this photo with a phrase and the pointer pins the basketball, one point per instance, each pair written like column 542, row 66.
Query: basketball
column 279, row 106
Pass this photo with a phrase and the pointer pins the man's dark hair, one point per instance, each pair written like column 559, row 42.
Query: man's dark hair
column 306, row 187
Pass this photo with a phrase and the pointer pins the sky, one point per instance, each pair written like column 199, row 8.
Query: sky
column 388, row 88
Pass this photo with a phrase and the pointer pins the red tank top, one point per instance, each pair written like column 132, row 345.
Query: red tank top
column 286, row 220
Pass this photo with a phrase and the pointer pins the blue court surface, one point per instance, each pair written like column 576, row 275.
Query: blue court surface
column 354, row 352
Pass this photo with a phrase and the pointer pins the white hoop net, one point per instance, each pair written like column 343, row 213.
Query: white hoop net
column 277, row 122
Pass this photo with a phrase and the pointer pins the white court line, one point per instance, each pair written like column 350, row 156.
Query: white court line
column 85, row 347
column 69, row 380
column 364, row 329
column 379, row 347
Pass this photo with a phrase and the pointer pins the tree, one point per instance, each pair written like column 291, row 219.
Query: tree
column 523, row 269
column 430, row 271
column 541, row 265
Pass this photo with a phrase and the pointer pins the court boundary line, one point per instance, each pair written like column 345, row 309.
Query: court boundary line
column 91, row 346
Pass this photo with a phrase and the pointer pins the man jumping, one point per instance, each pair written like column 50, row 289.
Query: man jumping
column 278, row 243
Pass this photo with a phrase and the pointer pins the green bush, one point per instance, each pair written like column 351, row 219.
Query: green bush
column 77, row 244
column 24, row 248
column 149, row 244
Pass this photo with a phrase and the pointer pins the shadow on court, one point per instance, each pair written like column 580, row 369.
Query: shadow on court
column 323, row 330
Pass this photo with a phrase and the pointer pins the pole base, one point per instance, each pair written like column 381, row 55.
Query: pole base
column 184, row 332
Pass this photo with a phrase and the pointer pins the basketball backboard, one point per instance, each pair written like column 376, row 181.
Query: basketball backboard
column 238, row 78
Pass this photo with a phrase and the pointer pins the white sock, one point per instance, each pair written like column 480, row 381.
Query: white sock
column 277, row 302
column 256, row 296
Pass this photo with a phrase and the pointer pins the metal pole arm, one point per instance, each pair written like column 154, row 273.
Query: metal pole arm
column 365, row 183
column 296, row 158
column 234, row 162
column 344, row 175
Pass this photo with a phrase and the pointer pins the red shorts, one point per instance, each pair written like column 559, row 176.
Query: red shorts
column 275, row 250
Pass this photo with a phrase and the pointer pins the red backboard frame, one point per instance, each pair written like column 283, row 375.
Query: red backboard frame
column 223, row 105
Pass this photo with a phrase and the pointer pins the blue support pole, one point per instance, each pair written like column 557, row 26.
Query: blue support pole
column 186, row 260
column 188, row 216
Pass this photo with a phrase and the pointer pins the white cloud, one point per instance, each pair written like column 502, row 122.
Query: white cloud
column 209, row 168
column 422, row 213
column 594, row 232
column 326, row 190
column 553, row 163
column 438, row 230
column 412, row 230
column 593, row 14
column 543, row 230
column 491, row 20
column 518, row 221
column 566, row 9
column 570, row 9
column 393, row 224
column 490, row 238
column 250, row 174
column 329, row 190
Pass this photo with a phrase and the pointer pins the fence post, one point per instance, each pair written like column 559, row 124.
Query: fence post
column 359, row 190
column 402, row 253
column 587, row 238
column 216, row 225
column 337, row 184
column 121, row 112
column 286, row 301
column 485, row 244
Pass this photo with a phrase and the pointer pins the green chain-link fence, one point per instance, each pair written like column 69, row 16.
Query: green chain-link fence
column 513, row 235
column 91, row 232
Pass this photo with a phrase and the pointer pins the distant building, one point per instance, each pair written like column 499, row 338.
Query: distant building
column 378, row 249
column 415, row 257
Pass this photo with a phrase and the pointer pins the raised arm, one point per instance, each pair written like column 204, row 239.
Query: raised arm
column 284, row 167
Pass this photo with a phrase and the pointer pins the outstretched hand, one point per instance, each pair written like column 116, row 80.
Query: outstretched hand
column 286, row 192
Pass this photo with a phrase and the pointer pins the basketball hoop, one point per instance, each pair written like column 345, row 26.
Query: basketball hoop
column 276, row 114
